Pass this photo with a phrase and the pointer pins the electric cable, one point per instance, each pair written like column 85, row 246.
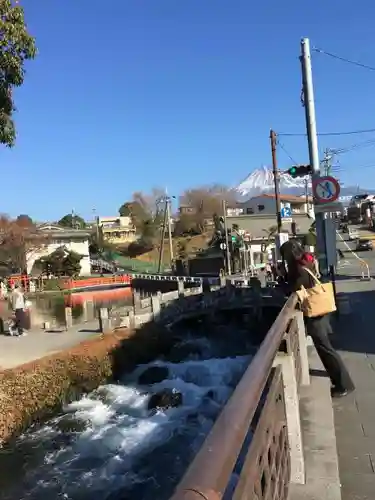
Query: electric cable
column 286, row 152
column 322, row 134
column 343, row 59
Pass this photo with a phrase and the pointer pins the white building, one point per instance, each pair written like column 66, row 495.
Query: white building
column 73, row 240
column 117, row 230
column 265, row 204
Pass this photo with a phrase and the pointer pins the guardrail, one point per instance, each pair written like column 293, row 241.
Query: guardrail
column 263, row 410
column 123, row 279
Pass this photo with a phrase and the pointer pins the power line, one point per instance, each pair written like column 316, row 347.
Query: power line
column 353, row 147
column 286, row 152
column 343, row 59
column 324, row 134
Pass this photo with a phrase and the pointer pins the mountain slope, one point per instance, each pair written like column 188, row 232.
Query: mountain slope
column 261, row 181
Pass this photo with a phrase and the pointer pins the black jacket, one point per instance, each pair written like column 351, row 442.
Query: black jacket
column 299, row 277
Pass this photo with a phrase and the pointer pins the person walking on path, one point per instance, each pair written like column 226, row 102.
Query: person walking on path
column 319, row 328
column 17, row 301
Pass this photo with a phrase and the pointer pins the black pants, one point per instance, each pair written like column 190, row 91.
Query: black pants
column 20, row 320
column 319, row 329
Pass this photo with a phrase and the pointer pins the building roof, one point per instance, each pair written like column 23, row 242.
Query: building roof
column 258, row 225
column 283, row 197
column 62, row 232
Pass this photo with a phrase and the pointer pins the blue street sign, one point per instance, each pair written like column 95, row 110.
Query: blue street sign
column 286, row 212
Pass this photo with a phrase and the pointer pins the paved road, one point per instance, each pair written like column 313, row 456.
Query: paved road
column 350, row 265
column 355, row 414
column 15, row 351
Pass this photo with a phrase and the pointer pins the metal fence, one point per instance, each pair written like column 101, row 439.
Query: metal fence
column 247, row 453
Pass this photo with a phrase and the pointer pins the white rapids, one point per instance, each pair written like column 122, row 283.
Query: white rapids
column 109, row 446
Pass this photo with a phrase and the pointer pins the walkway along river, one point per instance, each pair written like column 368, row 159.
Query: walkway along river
column 110, row 446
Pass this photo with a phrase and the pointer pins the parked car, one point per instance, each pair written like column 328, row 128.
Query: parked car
column 364, row 245
column 353, row 234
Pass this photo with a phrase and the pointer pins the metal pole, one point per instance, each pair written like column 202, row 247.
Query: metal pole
column 308, row 95
column 276, row 180
column 307, row 192
column 161, row 251
column 227, row 251
column 170, row 231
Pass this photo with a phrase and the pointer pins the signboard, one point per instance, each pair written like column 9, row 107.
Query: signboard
column 325, row 189
column 329, row 207
column 223, row 246
column 286, row 212
column 285, row 220
column 281, row 238
column 330, row 242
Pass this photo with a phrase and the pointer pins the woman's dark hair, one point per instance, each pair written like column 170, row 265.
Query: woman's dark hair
column 291, row 252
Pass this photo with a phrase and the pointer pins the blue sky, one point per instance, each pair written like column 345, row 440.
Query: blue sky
column 131, row 94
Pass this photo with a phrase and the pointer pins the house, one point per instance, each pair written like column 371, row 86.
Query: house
column 117, row 230
column 71, row 240
column 266, row 204
column 259, row 226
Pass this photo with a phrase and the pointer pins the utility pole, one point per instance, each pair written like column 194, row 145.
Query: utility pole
column 161, row 251
column 328, row 156
column 227, row 251
column 168, row 208
column 309, row 104
column 307, row 192
column 276, row 180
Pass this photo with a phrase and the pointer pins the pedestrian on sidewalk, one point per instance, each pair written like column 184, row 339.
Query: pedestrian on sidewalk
column 17, row 302
column 319, row 328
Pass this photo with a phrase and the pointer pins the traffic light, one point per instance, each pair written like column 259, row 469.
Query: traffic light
column 299, row 171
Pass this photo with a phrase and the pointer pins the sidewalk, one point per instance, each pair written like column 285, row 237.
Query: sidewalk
column 15, row 351
column 355, row 415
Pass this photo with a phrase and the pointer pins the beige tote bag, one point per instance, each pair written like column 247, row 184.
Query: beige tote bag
column 317, row 301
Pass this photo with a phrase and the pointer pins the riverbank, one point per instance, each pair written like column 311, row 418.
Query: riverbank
column 15, row 351
column 58, row 367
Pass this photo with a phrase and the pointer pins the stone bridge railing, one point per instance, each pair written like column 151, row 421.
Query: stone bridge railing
column 254, row 451
column 171, row 307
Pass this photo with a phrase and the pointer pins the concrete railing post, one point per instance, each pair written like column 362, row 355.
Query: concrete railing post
column 155, row 305
column 68, row 318
column 136, row 300
column 131, row 320
column 292, row 416
column 181, row 288
column 302, row 340
column 104, row 320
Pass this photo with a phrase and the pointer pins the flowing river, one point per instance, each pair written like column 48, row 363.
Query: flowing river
column 110, row 446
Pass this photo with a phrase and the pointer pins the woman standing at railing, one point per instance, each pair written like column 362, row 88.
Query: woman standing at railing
column 300, row 273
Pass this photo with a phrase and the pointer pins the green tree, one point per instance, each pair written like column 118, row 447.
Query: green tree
column 72, row 221
column 72, row 264
column 61, row 262
column 16, row 46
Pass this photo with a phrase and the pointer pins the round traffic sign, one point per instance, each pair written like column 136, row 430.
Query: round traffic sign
column 325, row 189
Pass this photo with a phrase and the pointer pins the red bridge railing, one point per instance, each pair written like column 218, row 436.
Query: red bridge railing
column 123, row 279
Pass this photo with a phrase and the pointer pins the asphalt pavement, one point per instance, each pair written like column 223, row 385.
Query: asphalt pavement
column 350, row 264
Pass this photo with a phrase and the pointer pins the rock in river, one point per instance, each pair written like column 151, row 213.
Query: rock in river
column 167, row 398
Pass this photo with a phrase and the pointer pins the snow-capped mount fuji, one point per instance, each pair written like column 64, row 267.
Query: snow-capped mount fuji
column 261, row 181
